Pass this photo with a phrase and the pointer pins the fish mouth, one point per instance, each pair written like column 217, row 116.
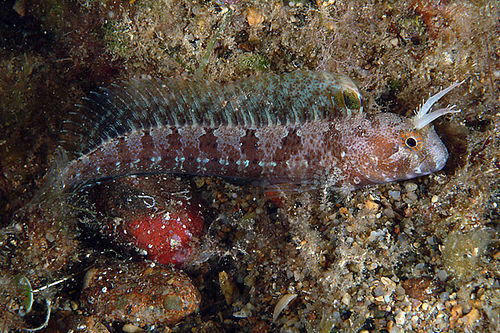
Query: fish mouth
column 426, row 169
column 418, row 172
column 434, row 161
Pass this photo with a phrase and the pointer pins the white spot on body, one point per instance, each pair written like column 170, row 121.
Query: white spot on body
column 312, row 143
column 179, row 163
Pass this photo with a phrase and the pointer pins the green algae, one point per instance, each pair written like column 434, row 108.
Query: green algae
column 252, row 61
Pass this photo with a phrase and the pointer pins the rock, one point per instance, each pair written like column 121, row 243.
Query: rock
column 155, row 215
column 421, row 288
column 140, row 294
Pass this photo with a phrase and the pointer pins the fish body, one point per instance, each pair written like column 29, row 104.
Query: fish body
column 300, row 128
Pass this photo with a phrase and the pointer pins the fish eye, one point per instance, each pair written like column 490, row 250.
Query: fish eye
column 351, row 100
column 412, row 141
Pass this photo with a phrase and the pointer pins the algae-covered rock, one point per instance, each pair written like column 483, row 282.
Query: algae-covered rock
column 140, row 294
column 461, row 252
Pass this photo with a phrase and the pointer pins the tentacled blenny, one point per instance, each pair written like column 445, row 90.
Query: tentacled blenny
column 303, row 128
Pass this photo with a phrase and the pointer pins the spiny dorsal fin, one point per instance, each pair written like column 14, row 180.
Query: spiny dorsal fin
column 268, row 99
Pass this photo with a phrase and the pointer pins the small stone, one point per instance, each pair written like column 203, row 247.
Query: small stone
column 388, row 282
column 400, row 318
column 442, row 275
column 396, row 195
column 371, row 205
column 245, row 312
column 379, row 314
column 444, row 296
column 346, row 299
column 396, row 329
column 228, row 287
column 411, row 187
column 379, row 291
column 376, row 235
column 411, row 198
column 129, row 328
column 420, row 288
column 470, row 318
column 389, row 213
column 74, row 305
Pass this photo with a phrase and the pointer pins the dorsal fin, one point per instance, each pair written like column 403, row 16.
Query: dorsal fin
column 252, row 102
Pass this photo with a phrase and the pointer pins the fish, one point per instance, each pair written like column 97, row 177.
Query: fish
column 306, row 128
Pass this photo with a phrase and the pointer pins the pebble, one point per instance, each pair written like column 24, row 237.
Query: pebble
column 228, row 287
column 442, row 275
column 346, row 299
column 411, row 198
column 129, row 328
column 376, row 235
column 389, row 213
column 396, row 329
column 396, row 195
column 470, row 318
column 400, row 318
column 371, row 205
column 420, row 288
column 444, row 296
column 411, row 187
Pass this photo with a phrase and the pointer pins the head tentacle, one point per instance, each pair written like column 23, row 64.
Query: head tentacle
column 425, row 115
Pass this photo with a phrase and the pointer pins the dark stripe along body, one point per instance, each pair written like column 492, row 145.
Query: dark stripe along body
column 302, row 127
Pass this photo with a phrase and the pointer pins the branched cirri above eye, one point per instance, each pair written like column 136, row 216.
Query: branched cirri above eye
column 412, row 141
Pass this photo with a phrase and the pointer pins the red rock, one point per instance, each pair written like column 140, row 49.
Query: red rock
column 168, row 237
column 156, row 215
